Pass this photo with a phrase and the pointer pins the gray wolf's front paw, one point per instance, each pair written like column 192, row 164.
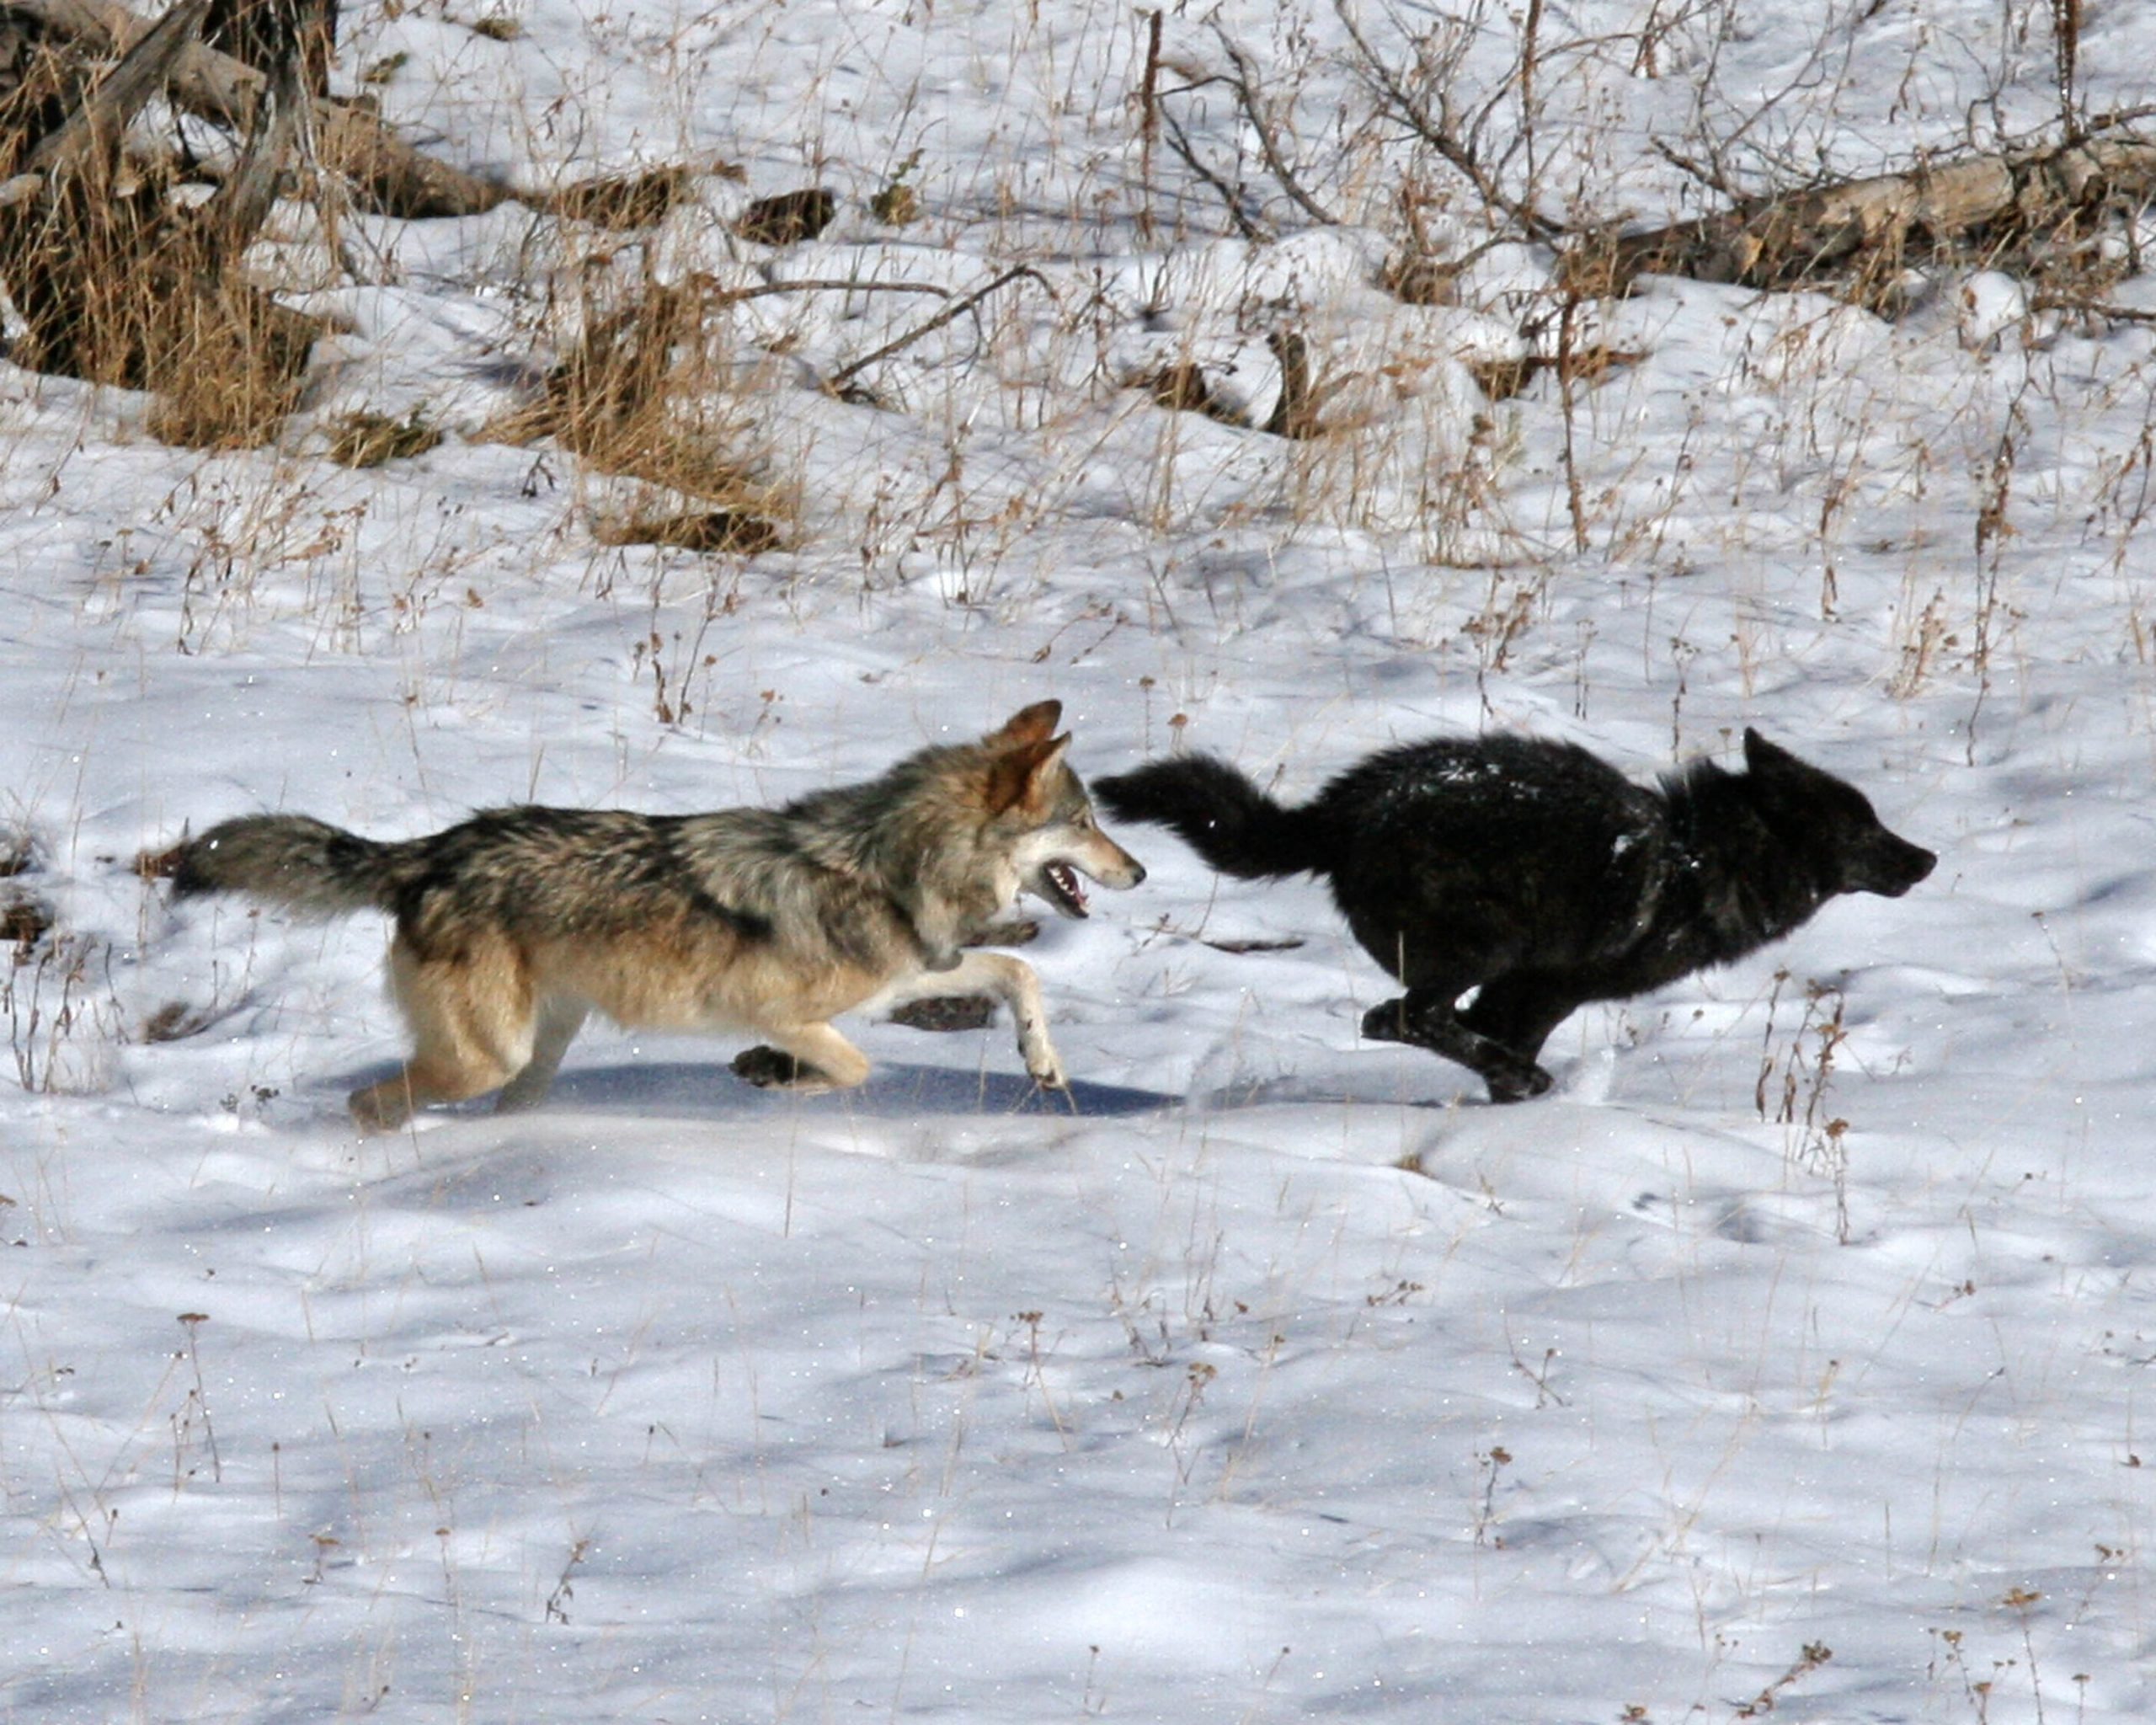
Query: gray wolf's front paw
column 1045, row 1069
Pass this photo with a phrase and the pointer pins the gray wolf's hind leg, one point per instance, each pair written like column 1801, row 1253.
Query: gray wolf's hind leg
column 808, row 1058
column 469, row 1036
column 559, row 1021
column 425, row 1078
column 1425, row 1018
column 769, row 1068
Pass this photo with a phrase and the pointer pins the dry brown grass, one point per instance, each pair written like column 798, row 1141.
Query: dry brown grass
column 368, row 440
column 735, row 532
column 648, row 393
column 24, row 921
column 1502, row 379
column 116, row 290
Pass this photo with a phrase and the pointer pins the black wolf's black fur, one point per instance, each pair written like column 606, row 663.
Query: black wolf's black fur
column 1536, row 874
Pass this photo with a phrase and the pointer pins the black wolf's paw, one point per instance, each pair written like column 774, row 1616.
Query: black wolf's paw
column 946, row 1012
column 1387, row 1022
column 773, row 1069
column 1517, row 1083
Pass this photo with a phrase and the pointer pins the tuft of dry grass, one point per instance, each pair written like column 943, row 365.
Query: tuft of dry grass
column 175, row 1021
column 23, row 920
column 1182, row 386
column 736, row 533
column 649, row 393
column 788, row 218
column 896, row 204
column 1417, row 279
column 368, row 440
column 1502, row 379
column 113, row 291
column 629, row 200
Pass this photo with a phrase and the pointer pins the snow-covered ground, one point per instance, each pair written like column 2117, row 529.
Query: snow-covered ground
column 1786, row 1357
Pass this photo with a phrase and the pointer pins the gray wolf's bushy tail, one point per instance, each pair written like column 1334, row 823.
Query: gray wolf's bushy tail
column 293, row 860
column 1222, row 815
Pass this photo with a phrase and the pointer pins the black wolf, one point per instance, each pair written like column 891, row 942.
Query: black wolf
column 1536, row 874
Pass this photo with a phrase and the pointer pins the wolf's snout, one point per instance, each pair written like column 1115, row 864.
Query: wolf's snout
column 1114, row 867
column 1899, row 867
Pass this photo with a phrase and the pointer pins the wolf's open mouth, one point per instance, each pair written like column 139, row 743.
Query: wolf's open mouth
column 1064, row 891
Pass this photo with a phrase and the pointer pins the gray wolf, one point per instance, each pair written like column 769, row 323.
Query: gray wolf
column 513, row 926
column 1536, row 874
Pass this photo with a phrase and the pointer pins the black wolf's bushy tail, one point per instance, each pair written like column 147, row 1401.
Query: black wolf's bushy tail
column 292, row 860
column 1217, row 810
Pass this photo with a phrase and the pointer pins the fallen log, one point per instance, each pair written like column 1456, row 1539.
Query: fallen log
column 388, row 176
column 89, row 139
column 114, row 283
column 2004, row 199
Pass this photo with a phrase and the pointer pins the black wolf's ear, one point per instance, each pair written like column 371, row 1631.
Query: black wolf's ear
column 1029, row 724
column 1026, row 774
column 1764, row 756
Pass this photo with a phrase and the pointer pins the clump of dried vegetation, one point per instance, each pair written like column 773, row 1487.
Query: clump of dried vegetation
column 648, row 393
column 1456, row 140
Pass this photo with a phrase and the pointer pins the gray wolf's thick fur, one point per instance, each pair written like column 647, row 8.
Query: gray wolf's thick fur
column 514, row 924
column 1537, row 874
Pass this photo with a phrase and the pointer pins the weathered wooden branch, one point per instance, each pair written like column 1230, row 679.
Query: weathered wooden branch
column 387, row 174
column 114, row 284
column 203, row 80
column 1784, row 241
column 92, row 133
column 226, row 226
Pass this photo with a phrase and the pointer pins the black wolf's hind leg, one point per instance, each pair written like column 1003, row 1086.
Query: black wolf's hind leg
column 1425, row 1017
column 1519, row 1012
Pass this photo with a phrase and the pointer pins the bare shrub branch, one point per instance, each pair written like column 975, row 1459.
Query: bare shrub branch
column 1425, row 106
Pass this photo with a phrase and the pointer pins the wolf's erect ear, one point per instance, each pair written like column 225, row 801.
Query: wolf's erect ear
column 1024, row 774
column 1029, row 724
column 1764, row 756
